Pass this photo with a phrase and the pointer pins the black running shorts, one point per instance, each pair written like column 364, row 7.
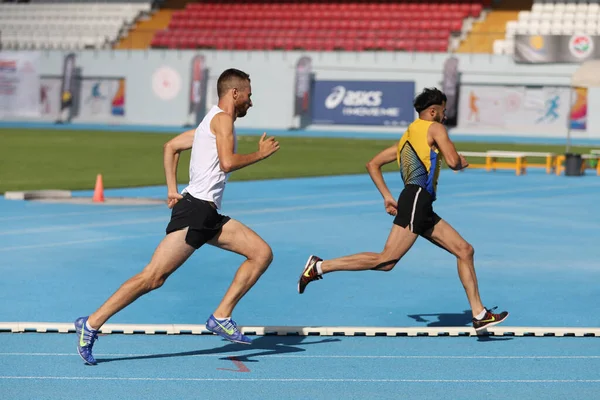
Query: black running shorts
column 202, row 220
column 415, row 210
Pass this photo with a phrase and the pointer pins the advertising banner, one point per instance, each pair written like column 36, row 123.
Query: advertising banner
column 450, row 89
column 579, row 109
column 50, row 97
column 19, row 84
column 363, row 103
column 302, row 86
column 198, row 81
column 536, row 49
column 518, row 108
column 68, row 87
column 302, row 92
column 102, row 100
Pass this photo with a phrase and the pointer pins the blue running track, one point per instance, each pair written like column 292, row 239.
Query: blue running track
column 537, row 256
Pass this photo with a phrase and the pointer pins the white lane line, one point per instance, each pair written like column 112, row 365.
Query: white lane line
column 270, row 210
column 281, row 380
column 542, row 221
column 56, row 228
column 523, row 190
column 156, row 234
column 384, row 357
column 89, row 213
column 57, row 244
column 304, row 197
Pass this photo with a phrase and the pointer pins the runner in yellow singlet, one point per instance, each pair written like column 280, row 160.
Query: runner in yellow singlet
column 418, row 154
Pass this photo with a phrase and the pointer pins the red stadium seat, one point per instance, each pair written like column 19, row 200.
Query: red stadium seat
column 351, row 25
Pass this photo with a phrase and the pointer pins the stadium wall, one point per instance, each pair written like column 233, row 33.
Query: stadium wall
column 273, row 77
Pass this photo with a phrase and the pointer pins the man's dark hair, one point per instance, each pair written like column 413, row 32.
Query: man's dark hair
column 229, row 79
column 429, row 97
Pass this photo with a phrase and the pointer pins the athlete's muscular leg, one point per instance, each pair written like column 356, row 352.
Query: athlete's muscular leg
column 398, row 243
column 450, row 239
column 240, row 239
column 170, row 254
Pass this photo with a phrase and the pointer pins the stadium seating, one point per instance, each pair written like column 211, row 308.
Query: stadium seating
column 483, row 33
column 558, row 18
column 142, row 32
column 39, row 25
column 317, row 26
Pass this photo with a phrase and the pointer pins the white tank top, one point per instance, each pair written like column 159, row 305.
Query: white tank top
column 207, row 180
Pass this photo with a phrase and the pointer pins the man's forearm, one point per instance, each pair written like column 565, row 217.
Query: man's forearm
column 238, row 161
column 377, row 178
column 171, row 159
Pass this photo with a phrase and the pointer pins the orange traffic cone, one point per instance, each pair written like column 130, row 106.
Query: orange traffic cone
column 98, row 190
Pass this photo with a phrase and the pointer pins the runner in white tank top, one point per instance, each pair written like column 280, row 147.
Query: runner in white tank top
column 207, row 179
column 194, row 218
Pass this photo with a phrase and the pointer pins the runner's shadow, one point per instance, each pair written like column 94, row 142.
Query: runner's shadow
column 263, row 346
column 487, row 338
column 455, row 319
column 452, row 319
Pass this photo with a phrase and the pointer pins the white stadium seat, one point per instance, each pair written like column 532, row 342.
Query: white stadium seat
column 524, row 15
column 498, row 47
column 549, row 18
column 66, row 25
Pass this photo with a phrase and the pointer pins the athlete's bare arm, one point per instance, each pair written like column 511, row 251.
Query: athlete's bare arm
column 374, row 168
column 171, row 151
column 440, row 139
column 222, row 126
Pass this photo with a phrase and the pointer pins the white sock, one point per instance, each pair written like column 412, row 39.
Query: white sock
column 481, row 314
column 88, row 327
column 223, row 319
column 319, row 270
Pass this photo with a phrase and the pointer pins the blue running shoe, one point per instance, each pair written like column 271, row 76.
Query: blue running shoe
column 227, row 329
column 85, row 340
